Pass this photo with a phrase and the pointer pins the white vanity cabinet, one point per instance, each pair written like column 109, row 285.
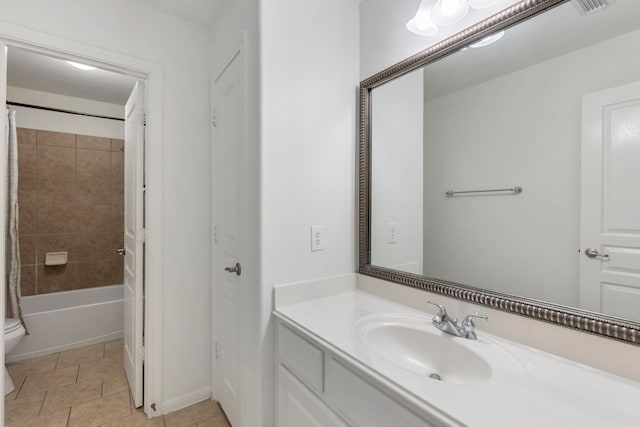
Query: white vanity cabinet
column 318, row 388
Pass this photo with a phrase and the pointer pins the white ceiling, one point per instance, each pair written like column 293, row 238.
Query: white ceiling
column 30, row 70
column 203, row 12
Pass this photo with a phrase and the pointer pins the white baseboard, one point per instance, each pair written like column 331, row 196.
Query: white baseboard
column 186, row 400
column 95, row 340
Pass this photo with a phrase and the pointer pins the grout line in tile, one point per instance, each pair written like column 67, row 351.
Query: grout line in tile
column 57, row 362
column 68, row 417
column 77, row 373
column 42, row 403
column 19, row 388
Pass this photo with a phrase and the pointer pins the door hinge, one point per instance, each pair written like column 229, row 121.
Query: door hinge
column 144, row 119
column 140, row 353
column 217, row 350
column 214, row 121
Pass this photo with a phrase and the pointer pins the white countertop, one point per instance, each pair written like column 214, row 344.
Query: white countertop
column 546, row 391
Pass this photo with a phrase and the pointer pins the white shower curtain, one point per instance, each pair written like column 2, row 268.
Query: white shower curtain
column 12, row 246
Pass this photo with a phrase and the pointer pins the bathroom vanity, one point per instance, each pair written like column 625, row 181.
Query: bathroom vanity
column 321, row 385
column 357, row 359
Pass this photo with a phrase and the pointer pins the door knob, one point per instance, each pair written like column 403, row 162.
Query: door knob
column 235, row 269
column 593, row 253
column 120, row 251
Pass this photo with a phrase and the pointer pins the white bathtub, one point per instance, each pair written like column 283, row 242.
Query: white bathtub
column 65, row 320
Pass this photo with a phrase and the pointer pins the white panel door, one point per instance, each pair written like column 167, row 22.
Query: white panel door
column 610, row 223
column 134, row 240
column 227, row 276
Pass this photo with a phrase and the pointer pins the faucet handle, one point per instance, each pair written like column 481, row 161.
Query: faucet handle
column 469, row 328
column 468, row 319
column 441, row 319
column 443, row 311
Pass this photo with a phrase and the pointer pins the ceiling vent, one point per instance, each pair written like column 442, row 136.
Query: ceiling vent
column 590, row 6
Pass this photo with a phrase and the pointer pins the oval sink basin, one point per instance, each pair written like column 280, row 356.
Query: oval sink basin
column 414, row 344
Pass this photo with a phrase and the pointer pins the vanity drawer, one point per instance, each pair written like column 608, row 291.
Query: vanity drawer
column 302, row 358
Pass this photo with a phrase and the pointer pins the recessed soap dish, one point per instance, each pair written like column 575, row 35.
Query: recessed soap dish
column 56, row 258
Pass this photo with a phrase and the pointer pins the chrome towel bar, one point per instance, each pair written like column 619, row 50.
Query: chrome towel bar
column 514, row 190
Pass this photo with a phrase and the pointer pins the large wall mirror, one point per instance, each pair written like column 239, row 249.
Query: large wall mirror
column 502, row 166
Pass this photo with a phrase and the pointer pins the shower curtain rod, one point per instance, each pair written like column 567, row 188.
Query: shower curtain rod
column 58, row 110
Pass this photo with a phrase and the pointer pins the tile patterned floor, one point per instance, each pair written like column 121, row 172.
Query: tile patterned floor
column 87, row 387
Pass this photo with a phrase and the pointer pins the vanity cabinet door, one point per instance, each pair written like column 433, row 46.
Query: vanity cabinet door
column 364, row 405
column 299, row 407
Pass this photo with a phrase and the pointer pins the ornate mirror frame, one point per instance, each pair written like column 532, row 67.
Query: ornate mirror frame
column 586, row 321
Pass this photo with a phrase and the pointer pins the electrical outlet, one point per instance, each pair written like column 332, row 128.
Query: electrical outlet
column 392, row 232
column 317, row 238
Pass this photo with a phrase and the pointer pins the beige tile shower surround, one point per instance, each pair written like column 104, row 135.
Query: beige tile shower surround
column 71, row 198
column 86, row 387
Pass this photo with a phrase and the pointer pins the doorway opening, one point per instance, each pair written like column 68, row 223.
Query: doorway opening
column 82, row 160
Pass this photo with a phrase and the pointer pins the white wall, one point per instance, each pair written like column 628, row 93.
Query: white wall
column 132, row 29
column 526, row 244
column 309, row 53
column 396, row 173
column 385, row 40
column 63, row 122
column 309, row 82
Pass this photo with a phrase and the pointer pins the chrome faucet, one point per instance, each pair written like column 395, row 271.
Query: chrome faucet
column 466, row 329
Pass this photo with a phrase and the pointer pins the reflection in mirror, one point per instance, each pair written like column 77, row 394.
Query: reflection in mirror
column 397, row 181
column 553, row 107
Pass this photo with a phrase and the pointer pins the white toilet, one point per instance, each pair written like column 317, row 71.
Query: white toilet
column 13, row 334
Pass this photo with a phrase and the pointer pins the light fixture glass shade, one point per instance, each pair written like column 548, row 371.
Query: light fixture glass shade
column 422, row 23
column 449, row 12
column 488, row 40
column 481, row 4
column 81, row 66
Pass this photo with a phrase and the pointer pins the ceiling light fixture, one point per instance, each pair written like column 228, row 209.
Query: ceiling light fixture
column 449, row 12
column 434, row 13
column 81, row 66
column 488, row 40
column 422, row 23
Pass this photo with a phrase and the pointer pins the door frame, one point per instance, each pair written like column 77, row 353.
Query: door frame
column 240, row 54
column 151, row 73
